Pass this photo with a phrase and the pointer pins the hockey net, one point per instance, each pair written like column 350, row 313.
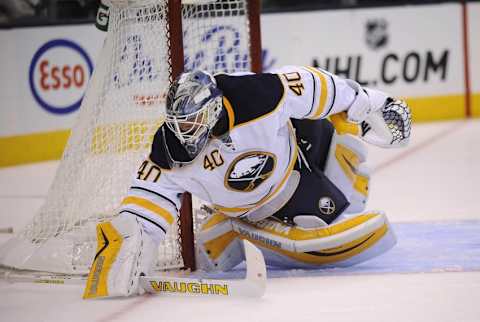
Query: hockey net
column 122, row 109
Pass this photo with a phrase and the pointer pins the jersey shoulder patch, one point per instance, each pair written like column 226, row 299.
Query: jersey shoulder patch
column 251, row 96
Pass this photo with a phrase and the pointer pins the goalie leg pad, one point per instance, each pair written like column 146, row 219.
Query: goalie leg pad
column 219, row 248
column 346, row 168
column 124, row 252
column 349, row 241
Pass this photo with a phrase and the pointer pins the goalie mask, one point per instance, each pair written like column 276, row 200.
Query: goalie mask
column 193, row 107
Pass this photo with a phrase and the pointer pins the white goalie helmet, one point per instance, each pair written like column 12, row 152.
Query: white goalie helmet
column 193, row 107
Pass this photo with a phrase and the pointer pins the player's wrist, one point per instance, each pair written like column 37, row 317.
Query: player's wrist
column 366, row 102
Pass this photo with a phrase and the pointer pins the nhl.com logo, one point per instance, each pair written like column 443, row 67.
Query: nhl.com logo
column 58, row 75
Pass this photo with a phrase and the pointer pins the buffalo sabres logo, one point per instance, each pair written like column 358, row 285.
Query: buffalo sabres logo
column 249, row 170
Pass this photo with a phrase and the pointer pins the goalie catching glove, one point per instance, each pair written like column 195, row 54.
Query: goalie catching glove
column 124, row 253
column 376, row 118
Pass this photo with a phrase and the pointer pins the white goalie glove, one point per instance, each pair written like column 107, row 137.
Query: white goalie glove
column 380, row 119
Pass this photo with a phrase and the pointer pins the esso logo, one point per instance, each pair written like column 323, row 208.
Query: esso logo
column 58, row 76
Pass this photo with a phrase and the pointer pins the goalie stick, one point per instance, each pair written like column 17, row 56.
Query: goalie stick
column 253, row 285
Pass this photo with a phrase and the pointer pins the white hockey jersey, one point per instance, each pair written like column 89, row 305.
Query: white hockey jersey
column 246, row 174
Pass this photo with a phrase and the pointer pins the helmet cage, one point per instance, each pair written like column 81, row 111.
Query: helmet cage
column 191, row 127
column 194, row 104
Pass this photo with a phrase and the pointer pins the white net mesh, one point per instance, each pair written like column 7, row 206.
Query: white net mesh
column 120, row 113
column 216, row 38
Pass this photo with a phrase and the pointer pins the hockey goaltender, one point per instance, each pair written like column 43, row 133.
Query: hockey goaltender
column 279, row 157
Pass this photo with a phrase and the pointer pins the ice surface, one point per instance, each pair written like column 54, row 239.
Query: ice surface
column 429, row 192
